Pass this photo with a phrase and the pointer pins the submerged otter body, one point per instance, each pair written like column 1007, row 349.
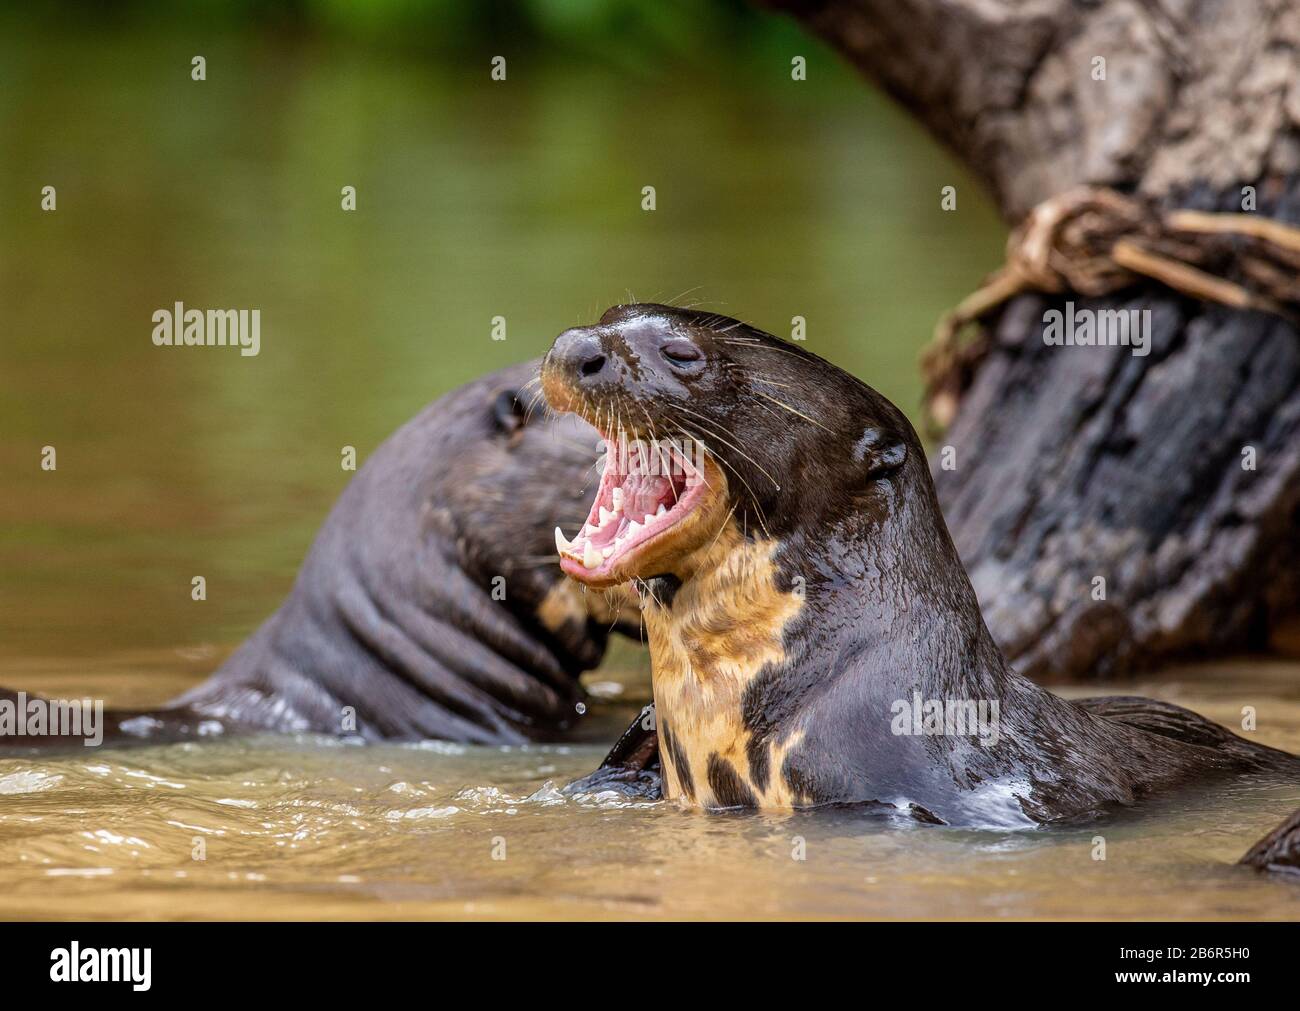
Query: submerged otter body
column 429, row 605
column 1279, row 851
column 814, row 637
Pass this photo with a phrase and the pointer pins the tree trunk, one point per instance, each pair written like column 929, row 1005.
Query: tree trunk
column 1074, row 464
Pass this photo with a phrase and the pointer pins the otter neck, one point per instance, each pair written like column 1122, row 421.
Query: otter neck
column 896, row 590
column 712, row 630
column 726, row 622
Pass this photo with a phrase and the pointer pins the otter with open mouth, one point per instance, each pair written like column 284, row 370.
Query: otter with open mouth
column 814, row 637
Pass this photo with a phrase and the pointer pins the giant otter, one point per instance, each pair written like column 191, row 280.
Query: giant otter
column 429, row 605
column 814, row 638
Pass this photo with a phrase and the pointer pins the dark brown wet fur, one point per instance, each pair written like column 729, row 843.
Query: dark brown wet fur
column 835, row 509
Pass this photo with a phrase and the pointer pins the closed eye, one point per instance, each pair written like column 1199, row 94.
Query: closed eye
column 681, row 353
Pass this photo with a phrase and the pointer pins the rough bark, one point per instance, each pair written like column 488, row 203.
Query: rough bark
column 1080, row 462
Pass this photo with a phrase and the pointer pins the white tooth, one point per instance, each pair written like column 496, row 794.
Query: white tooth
column 618, row 500
column 605, row 516
column 661, row 510
column 607, row 552
column 633, row 528
column 587, row 531
column 590, row 556
column 563, row 545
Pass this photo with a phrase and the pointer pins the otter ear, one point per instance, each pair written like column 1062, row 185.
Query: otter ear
column 880, row 452
column 508, row 412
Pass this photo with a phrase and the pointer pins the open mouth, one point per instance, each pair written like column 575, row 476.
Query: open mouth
column 647, row 490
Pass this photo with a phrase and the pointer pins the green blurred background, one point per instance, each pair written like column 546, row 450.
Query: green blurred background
column 476, row 199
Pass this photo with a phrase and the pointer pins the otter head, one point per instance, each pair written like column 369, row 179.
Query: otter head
column 516, row 474
column 634, row 376
column 751, row 430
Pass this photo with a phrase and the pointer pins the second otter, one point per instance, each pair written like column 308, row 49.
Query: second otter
column 400, row 625
column 814, row 638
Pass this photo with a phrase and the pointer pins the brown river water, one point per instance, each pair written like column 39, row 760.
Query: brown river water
column 819, row 201
column 312, row 828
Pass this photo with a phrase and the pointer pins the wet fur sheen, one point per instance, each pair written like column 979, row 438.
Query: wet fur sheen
column 832, row 590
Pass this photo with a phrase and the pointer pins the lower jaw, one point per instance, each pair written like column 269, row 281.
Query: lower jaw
column 575, row 569
column 619, row 571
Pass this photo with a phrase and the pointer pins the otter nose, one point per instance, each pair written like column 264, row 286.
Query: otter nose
column 580, row 353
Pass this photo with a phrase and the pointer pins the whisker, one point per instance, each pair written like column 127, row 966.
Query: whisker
column 713, row 425
column 751, row 342
column 721, row 527
column 538, row 397
column 797, row 414
column 762, row 519
column 674, row 301
column 645, row 586
column 649, row 421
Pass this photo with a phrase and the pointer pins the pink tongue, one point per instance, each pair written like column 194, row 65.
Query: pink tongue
column 642, row 494
column 606, row 535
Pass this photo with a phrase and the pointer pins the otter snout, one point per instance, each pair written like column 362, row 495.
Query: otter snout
column 634, row 351
column 580, row 355
column 577, row 369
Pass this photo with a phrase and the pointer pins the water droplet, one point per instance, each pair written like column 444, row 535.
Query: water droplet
column 581, row 707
